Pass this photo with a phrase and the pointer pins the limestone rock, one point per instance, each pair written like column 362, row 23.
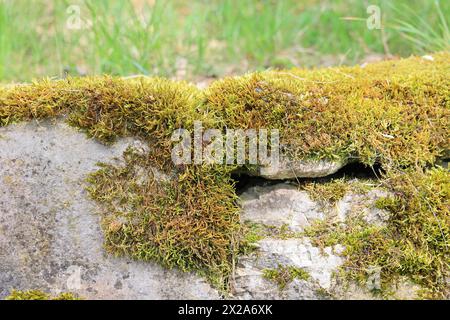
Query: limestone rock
column 50, row 236
column 363, row 204
column 320, row 265
column 291, row 169
column 285, row 205
column 279, row 205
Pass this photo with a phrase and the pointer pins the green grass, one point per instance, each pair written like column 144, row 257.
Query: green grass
column 207, row 38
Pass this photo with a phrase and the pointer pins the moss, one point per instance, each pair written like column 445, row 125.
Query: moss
column 332, row 191
column 395, row 113
column 107, row 107
column 254, row 232
column 283, row 275
column 413, row 243
column 190, row 222
column 39, row 295
column 323, row 293
column 329, row 192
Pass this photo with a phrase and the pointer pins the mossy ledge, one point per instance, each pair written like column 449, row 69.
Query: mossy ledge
column 396, row 113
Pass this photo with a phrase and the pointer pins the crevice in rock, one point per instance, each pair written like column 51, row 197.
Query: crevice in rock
column 356, row 170
column 353, row 170
column 444, row 163
column 245, row 181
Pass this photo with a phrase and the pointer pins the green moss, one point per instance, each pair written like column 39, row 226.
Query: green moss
column 327, row 192
column 413, row 243
column 106, row 107
column 323, row 293
column 284, row 275
column 330, row 192
column 395, row 113
column 190, row 222
column 39, row 295
column 254, row 232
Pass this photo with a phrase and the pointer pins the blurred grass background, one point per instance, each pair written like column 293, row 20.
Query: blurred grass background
column 198, row 39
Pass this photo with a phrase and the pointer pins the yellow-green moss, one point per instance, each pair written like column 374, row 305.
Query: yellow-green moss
column 283, row 275
column 39, row 295
column 190, row 222
column 413, row 243
column 330, row 192
column 396, row 113
column 107, row 107
column 255, row 232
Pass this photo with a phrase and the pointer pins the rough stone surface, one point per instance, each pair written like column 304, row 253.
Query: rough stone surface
column 363, row 204
column 284, row 205
column 250, row 284
column 291, row 169
column 279, row 205
column 50, row 236
column 300, row 253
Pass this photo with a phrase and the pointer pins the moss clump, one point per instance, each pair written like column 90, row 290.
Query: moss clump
column 332, row 191
column 190, row 222
column 253, row 232
column 39, row 295
column 413, row 243
column 395, row 112
column 107, row 107
column 284, row 275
